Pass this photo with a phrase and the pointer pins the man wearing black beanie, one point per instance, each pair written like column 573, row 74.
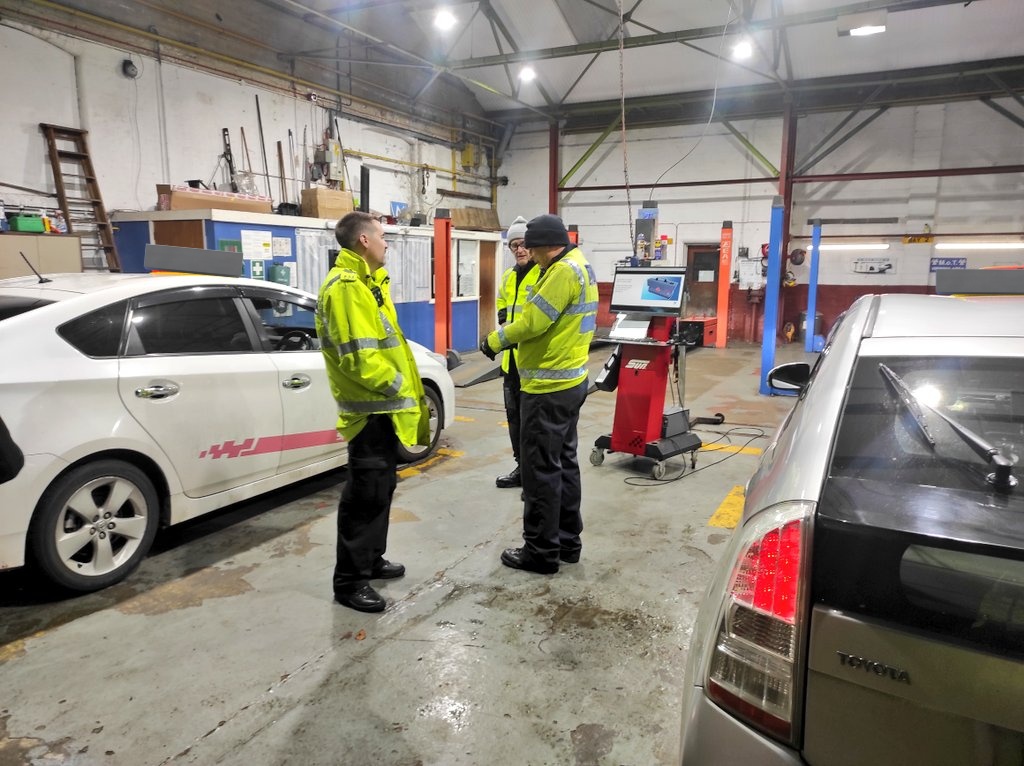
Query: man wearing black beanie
column 553, row 333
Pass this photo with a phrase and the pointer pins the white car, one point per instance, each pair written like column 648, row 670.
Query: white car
column 140, row 401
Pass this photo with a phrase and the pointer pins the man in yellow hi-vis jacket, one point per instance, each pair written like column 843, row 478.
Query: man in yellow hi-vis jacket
column 380, row 400
column 553, row 334
column 516, row 285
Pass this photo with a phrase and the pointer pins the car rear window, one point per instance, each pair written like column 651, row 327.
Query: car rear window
column 97, row 333
column 11, row 306
column 913, row 526
column 884, row 438
column 941, row 563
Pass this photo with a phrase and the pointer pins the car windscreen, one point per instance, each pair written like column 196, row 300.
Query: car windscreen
column 953, row 422
column 12, row 305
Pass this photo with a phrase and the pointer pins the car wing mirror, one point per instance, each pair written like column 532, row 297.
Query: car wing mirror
column 793, row 376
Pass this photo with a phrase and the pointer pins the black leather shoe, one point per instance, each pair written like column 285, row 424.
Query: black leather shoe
column 362, row 598
column 569, row 556
column 518, row 558
column 388, row 571
column 512, row 479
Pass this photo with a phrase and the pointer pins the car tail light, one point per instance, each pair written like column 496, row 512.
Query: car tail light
column 753, row 666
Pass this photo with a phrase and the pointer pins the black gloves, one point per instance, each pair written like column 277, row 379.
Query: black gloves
column 487, row 349
column 502, row 316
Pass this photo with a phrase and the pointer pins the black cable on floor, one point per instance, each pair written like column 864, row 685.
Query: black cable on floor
column 645, row 481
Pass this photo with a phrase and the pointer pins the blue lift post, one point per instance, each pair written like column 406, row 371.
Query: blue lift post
column 772, row 288
column 810, row 321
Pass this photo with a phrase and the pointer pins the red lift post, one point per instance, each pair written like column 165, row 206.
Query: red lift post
column 442, row 282
column 724, row 281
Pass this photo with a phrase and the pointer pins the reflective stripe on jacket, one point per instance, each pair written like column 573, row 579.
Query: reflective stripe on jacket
column 513, row 299
column 555, row 327
column 370, row 366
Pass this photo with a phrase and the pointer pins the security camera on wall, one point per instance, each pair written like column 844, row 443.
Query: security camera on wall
column 129, row 70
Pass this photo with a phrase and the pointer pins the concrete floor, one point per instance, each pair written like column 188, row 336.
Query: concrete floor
column 225, row 646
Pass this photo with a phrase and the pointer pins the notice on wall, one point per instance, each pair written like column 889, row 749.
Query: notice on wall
column 257, row 245
column 283, row 247
column 706, row 275
column 947, row 263
column 750, row 274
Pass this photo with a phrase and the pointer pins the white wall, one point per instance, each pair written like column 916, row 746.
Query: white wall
column 964, row 134
column 165, row 127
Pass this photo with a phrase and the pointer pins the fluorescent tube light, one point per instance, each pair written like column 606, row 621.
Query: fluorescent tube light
column 856, row 246
column 861, row 24
column 867, row 30
column 979, row 245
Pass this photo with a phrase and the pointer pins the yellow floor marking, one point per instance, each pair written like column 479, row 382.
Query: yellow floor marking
column 16, row 647
column 728, row 514
column 464, row 419
column 437, row 457
column 731, row 448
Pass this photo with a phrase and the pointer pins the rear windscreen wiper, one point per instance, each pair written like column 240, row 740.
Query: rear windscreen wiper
column 1002, row 478
column 909, row 401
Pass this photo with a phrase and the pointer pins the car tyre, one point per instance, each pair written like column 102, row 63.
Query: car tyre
column 436, row 407
column 94, row 525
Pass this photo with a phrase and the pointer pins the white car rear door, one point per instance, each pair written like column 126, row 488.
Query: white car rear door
column 194, row 377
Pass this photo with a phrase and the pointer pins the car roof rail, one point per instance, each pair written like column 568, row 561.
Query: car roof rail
column 980, row 281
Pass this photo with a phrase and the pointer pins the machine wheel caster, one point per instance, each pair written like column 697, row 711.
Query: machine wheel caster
column 596, row 456
column 658, row 470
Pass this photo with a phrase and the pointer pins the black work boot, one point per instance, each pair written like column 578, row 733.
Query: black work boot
column 511, row 479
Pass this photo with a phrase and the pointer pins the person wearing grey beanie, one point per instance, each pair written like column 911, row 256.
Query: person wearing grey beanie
column 551, row 335
column 513, row 292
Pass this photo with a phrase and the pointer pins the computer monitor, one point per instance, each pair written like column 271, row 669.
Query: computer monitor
column 649, row 290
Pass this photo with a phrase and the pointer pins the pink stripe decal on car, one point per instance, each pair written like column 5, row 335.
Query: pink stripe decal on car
column 267, row 444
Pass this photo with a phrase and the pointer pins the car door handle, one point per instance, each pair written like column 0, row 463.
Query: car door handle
column 297, row 381
column 159, row 391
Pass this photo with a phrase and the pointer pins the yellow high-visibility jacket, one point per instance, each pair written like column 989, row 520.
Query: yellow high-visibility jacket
column 513, row 300
column 555, row 327
column 369, row 363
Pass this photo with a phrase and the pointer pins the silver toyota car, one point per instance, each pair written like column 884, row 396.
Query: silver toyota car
column 870, row 606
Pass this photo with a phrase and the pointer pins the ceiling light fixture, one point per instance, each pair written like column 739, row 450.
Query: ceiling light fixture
column 445, row 19
column 742, row 50
column 526, row 74
column 856, row 246
column 979, row 245
column 861, row 24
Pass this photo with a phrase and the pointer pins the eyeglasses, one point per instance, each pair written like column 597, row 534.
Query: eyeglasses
column 519, row 243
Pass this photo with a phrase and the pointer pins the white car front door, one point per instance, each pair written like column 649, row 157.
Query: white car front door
column 287, row 324
column 194, row 377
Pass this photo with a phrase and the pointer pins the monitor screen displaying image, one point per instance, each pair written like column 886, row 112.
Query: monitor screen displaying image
column 648, row 290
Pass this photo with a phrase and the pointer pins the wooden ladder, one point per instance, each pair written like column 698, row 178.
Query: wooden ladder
column 79, row 195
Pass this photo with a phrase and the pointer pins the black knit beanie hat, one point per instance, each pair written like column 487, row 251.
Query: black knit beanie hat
column 546, row 230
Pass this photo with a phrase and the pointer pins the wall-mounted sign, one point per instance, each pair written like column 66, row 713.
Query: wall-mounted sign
column 920, row 239
column 947, row 263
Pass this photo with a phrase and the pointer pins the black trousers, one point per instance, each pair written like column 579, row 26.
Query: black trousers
column 365, row 503
column 551, row 472
column 511, row 390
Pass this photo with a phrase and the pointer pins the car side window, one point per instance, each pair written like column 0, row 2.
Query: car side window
column 97, row 333
column 190, row 326
column 285, row 321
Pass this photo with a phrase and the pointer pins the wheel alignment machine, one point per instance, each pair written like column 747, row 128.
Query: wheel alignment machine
column 649, row 302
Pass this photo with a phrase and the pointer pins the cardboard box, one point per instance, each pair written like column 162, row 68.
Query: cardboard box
column 326, row 203
column 186, row 198
column 475, row 219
